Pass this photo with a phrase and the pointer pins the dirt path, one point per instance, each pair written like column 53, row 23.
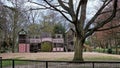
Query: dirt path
column 52, row 55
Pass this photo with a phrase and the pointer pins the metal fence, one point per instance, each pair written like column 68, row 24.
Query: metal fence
column 0, row 62
column 10, row 63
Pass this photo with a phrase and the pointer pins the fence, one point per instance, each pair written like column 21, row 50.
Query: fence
column 10, row 63
column 0, row 62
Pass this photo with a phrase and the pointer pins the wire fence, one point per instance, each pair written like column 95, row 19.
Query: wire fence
column 10, row 63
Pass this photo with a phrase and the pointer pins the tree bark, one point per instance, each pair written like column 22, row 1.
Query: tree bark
column 16, row 15
column 78, row 55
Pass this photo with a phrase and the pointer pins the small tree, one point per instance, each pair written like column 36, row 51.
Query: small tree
column 46, row 47
column 59, row 28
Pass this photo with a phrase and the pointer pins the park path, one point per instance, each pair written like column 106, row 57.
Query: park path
column 53, row 55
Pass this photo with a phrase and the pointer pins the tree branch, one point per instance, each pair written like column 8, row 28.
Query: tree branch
column 37, row 3
column 71, row 4
column 62, row 5
column 109, row 11
column 46, row 8
column 110, row 18
column 58, row 11
column 78, row 8
column 11, row 8
column 69, row 9
column 101, row 24
column 109, row 28
column 83, row 12
column 96, row 15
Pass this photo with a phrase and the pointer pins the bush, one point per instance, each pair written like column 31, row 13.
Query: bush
column 102, row 50
column 98, row 49
column 46, row 47
column 109, row 51
column 3, row 50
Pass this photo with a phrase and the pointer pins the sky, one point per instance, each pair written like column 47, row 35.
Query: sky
column 91, row 4
column 91, row 10
column 92, row 7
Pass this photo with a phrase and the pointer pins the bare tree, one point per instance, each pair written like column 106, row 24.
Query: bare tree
column 15, row 17
column 109, row 35
column 77, row 16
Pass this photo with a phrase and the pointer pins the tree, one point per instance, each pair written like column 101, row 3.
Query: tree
column 77, row 16
column 2, row 25
column 49, row 22
column 14, row 18
column 109, row 37
column 59, row 28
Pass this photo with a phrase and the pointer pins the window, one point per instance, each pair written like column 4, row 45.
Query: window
column 22, row 40
column 71, row 43
column 58, row 36
column 37, row 37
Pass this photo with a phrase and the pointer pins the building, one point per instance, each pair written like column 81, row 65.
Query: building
column 70, row 39
column 34, row 43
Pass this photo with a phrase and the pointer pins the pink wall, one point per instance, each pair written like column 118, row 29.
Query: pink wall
column 24, row 48
column 46, row 39
column 58, row 49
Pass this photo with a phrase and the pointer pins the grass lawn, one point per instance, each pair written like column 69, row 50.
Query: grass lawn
column 102, row 58
column 7, row 63
column 56, row 56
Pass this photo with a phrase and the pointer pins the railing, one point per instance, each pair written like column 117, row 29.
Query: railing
column 54, row 40
column 58, row 64
column 0, row 62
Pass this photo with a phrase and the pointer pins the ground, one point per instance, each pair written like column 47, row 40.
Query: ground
column 59, row 56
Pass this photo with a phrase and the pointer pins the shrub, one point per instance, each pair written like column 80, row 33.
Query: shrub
column 46, row 47
column 109, row 51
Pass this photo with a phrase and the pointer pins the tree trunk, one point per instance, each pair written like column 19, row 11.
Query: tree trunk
column 14, row 31
column 78, row 55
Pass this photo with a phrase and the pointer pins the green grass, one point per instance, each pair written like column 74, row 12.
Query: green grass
column 7, row 63
column 102, row 58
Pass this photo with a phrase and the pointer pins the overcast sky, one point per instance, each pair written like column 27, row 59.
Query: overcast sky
column 92, row 6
